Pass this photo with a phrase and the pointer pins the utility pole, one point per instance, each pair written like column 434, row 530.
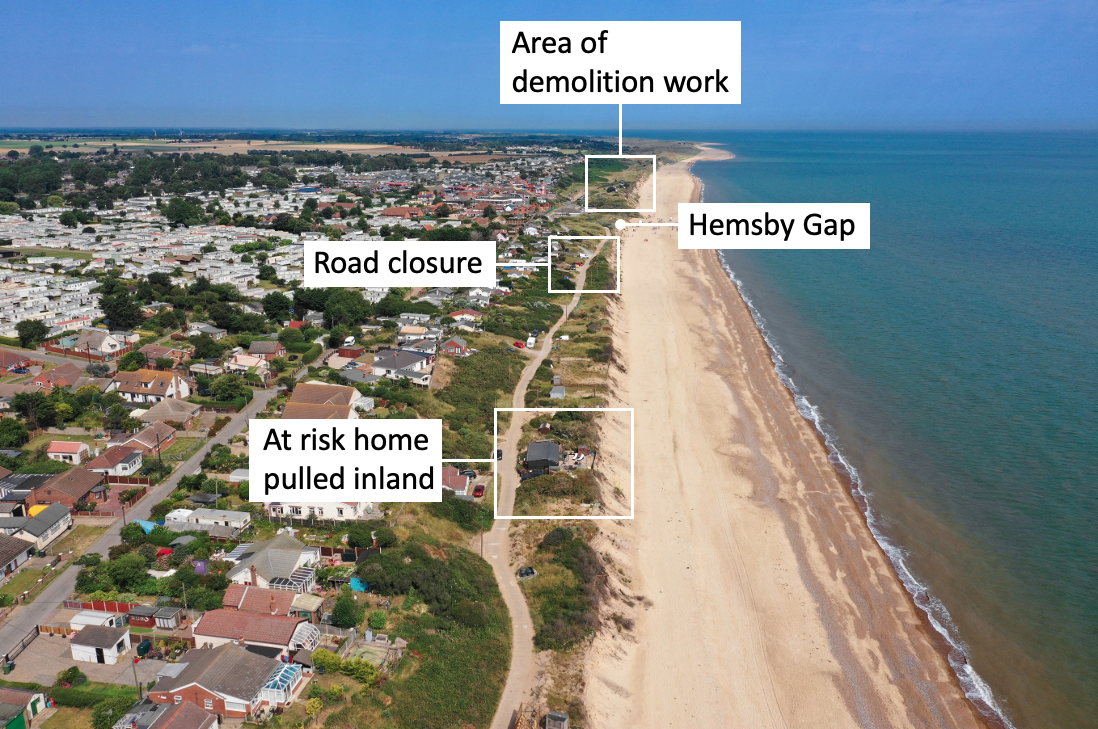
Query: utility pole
column 136, row 682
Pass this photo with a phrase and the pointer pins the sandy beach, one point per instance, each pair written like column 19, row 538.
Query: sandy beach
column 759, row 596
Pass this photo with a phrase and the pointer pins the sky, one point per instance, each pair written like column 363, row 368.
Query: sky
column 922, row 64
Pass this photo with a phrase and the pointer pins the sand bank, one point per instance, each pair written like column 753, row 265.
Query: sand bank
column 759, row 595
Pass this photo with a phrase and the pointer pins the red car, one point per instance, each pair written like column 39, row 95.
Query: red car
column 478, row 490
column 520, row 345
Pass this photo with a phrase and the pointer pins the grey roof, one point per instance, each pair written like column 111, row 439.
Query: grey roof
column 543, row 450
column 214, row 530
column 46, row 518
column 218, row 514
column 399, row 360
column 10, row 711
column 182, row 541
column 227, row 669
column 273, row 558
column 12, row 547
column 557, row 393
column 99, row 636
column 146, row 611
column 13, row 522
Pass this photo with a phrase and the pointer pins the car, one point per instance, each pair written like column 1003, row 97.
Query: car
column 520, row 345
column 350, row 366
column 499, row 455
column 469, row 472
column 525, row 573
column 19, row 371
column 478, row 491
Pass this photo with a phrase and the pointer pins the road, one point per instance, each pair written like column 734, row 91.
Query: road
column 43, row 357
column 24, row 618
column 497, row 543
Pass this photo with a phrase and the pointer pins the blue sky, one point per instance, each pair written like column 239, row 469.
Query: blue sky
column 369, row 65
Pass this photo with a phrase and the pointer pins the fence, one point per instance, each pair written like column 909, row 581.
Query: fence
column 105, row 606
column 129, row 481
column 70, row 352
column 22, row 644
column 54, row 629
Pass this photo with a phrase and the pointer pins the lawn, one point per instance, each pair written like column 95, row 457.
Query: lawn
column 46, row 438
column 79, row 539
column 27, row 579
column 69, row 718
column 184, row 447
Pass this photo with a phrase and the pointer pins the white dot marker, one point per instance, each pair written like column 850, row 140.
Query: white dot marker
column 619, row 224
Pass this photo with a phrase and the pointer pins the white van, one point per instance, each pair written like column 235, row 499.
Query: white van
column 349, row 342
column 531, row 342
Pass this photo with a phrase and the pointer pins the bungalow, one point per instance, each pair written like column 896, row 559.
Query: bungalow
column 147, row 714
column 68, row 488
column 306, row 411
column 453, row 480
column 282, row 563
column 456, row 347
column 267, row 350
column 402, row 212
column 199, row 328
column 45, row 527
column 13, row 360
column 243, row 363
column 388, row 363
column 175, row 354
column 100, row 644
column 252, row 599
column 13, row 553
column 339, row 510
column 221, row 517
column 152, row 440
column 469, row 315
column 68, row 451
column 230, row 681
column 149, row 386
column 64, row 375
column 172, row 411
column 118, row 460
column 543, row 455
column 97, row 342
column 287, row 634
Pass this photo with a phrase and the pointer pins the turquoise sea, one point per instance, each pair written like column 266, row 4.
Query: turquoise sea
column 953, row 369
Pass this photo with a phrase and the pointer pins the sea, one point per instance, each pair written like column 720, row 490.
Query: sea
column 953, row 371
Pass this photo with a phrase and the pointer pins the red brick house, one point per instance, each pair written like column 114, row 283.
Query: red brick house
column 13, row 360
column 64, row 375
column 68, row 488
column 266, row 349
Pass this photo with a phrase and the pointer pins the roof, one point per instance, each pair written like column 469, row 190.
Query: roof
column 45, row 519
column 543, row 450
column 308, row 603
column 113, row 456
column 219, row 514
column 143, row 611
column 170, row 409
column 228, row 669
column 272, row 558
column 67, row 446
column 264, row 346
column 157, row 381
column 7, row 359
column 99, row 636
column 313, row 394
column 12, row 547
column 76, row 482
column 17, row 696
column 250, row 627
column 399, row 360
column 10, row 711
column 252, row 599
column 301, row 411
column 189, row 716
column 452, row 479
column 147, row 436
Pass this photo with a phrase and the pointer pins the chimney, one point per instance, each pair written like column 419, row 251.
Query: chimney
column 255, row 578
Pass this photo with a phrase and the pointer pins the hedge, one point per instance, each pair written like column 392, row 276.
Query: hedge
column 11, row 342
column 76, row 698
column 28, row 685
column 309, row 356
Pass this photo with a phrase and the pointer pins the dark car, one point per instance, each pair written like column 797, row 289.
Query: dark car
column 478, row 491
column 19, row 371
column 526, row 572
column 470, row 473
column 499, row 455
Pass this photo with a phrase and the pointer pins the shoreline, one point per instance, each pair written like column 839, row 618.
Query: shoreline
column 948, row 644
column 774, row 562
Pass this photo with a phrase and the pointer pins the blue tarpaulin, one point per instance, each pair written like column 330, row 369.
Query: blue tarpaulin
column 357, row 585
column 146, row 525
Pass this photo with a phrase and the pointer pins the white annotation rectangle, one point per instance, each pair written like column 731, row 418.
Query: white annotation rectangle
column 619, row 62
column 400, row 263
column 774, row 226
column 325, row 460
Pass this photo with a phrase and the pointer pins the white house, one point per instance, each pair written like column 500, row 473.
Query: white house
column 46, row 526
column 13, row 553
column 100, row 644
column 339, row 510
column 74, row 452
column 117, row 461
column 220, row 517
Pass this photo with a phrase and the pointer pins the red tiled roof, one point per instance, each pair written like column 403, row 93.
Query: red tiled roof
column 252, row 599
column 251, row 627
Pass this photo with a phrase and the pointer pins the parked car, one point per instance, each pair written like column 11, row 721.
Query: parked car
column 511, row 349
column 499, row 455
column 478, row 490
column 349, row 341
column 526, row 573
column 520, row 345
column 19, row 371
column 470, row 473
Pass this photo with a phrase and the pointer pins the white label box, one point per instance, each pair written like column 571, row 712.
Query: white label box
column 774, row 226
column 619, row 62
column 345, row 460
column 400, row 263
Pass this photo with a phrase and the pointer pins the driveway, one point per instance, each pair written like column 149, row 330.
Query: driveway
column 24, row 618
column 48, row 655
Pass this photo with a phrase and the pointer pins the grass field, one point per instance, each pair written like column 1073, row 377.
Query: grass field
column 47, row 438
column 184, row 446
column 54, row 252
column 69, row 718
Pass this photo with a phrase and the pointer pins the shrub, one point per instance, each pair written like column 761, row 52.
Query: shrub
column 72, row 676
column 76, row 698
column 324, row 658
column 109, row 710
column 378, row 620
column 362, row 671
column 470, row 614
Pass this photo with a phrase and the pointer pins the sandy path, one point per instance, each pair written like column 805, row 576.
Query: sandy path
column 497, row 543
column 762, row 600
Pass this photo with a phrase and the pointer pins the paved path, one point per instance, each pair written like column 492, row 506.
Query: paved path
column 497, row 543
column 24, row 618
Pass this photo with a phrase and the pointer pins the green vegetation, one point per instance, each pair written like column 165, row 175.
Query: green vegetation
column 530, row 307
column 533, row 494
column 564, row 596
column 468, row 515
column 600, row 275
column 477, row 384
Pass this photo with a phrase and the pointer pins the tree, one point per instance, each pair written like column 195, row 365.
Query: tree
column 279, row 365
column 122, row 311
column 267, row 273
column 324, row 658
column 489, row 212
column 360, row 670
column 132, row 361
column 127, row 572
column 346, row 614
column 13, row 433
column 165, row 363
column 182, row 211
column 277, row 305
column 289, row 335
column 313, row 707
column 228, row 387
column 98, row 369
column 68, row 219
column 443, row 211
column 64, row 412
column 31, row 331
column 346, row 306
column 378, row 620
column 206, row 347
column 55, row 201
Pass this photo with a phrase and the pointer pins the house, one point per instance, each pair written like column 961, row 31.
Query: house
column 282, row 563
column 314, row 393
column 45, row 527
column 339, row 511
column 147, row 714
column 199, row 328
column 466, row 315
column 267, row 350
column 453, row 480
column 64, row 375
column 241, row 364
column 176, row 354
column 218, row 627
column 230, row 681
column 456, row 347
column 68, row 451
column 13, row 553
column 402, row 212
column 252, row 599
column 172, row 411
column 31, row 702
column 13, row 360
column 209, row 517
column 68, row 488
column 118, row 460
column 149, row 386
column 98, row 342
column 152, row 440
column 100, row 644
column 388, row 364
column 300, row 411
column 543, row 455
